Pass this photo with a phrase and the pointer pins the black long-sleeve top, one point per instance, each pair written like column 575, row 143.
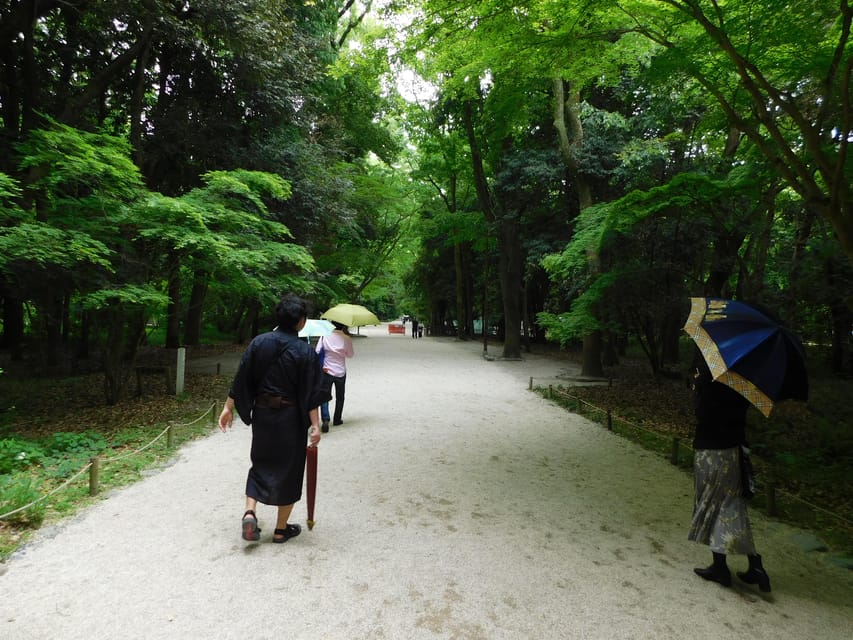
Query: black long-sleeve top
column 720, row 416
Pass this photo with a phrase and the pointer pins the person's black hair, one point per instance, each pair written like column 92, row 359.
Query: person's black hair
column 289, row 311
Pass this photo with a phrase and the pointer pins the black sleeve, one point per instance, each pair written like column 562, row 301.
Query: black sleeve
column 243, row 388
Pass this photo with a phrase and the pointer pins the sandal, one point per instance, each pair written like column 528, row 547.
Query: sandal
column 283, row 535
column 251, row 531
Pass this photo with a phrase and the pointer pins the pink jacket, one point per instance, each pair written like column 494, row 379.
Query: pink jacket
column 338, row 348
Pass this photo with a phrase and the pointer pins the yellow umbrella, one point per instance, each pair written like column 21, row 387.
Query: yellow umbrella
column 352, row 315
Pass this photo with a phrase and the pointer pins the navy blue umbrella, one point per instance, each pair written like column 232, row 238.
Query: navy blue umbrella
column 749, row 351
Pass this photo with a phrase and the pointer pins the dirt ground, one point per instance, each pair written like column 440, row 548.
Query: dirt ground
column 452, row 503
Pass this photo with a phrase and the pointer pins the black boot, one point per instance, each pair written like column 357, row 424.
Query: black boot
column 756, row 574
column 717, row 572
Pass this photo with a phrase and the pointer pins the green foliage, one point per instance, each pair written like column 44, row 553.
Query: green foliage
column 18, row 453
column 66, row 453
column 43, row 246
column 10, row 193
column 65, row 443
column 16, row 491
column 126, row 296
column 581, row 319
column 243, row 190
column 79, row 163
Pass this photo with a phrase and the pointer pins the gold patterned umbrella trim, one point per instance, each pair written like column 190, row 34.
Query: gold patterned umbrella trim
column 700, row 311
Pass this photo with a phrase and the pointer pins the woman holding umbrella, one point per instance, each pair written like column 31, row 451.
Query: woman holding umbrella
column 720, row 517
column 745, row 357
column 336, row 348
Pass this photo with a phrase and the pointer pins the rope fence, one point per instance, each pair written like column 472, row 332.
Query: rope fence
column 96, row 462
column 676, row 449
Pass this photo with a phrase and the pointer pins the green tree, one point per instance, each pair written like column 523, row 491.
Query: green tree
column 781, row 72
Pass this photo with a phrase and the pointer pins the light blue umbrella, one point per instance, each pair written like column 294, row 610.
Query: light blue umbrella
column 316, row 328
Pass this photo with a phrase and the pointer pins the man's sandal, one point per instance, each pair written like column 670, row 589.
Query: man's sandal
column 283, row 535
column 251, row 531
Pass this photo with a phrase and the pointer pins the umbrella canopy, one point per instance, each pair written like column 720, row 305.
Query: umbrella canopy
column 352, row 315
column 311, row 482
column 316, row 328
column 749, row 351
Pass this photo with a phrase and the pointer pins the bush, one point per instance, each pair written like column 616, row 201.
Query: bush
column 66, row 453
column 19, row 491
column 75, row 444
column 18, row 453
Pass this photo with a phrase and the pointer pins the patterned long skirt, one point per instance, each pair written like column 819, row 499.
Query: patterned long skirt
column 720, row 519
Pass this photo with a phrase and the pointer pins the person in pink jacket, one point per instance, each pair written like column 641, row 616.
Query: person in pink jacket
column 336, row 347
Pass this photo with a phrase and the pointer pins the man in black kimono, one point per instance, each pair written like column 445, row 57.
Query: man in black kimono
column 277, row 390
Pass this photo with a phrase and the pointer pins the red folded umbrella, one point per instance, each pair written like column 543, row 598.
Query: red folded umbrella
column 311, row 482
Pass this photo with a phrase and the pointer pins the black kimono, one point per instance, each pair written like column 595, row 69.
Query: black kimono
column 281, row 365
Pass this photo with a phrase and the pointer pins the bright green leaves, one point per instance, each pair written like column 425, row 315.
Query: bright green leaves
column 91, row 210
column 47, row 247
column 68, row 163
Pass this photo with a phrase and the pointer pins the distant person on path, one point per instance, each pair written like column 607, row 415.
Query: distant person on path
column 720, row 517
column 415, row 326
column 337, row 347
column 277, row 389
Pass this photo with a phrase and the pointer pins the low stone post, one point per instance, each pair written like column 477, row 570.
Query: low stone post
column 180, row 370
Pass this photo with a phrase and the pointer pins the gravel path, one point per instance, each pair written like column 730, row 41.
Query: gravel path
column 453, row 503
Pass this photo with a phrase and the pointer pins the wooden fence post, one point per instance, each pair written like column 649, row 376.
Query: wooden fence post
column 530, row 386
column 94, row 472
column 609, row 421
column 674, row 455
column 170, row 438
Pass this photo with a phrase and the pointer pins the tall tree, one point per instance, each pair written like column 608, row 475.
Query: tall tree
column 782, row 73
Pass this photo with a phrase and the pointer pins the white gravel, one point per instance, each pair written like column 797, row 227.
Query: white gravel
column 452, row 503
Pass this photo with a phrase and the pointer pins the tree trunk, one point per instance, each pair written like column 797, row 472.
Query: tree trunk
column 249, row 322
column 124, row 333
column 565, row 117
column 192, row 326
column 842, row 327
column 591, row 359
column 173, row 311
column 525, row 317
column 13, row 326
column 510, row 266
column 509, row 246
column 461, row 328
column 83, row 339
column 52, row 311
